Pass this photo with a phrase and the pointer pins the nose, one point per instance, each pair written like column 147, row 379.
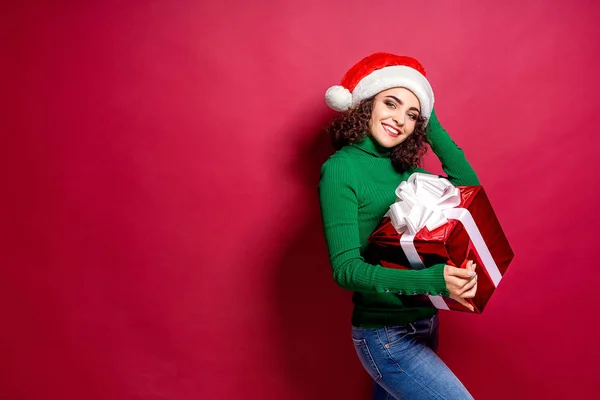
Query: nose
column 399, row 119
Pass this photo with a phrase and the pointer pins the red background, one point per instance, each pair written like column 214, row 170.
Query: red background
column 161, row 229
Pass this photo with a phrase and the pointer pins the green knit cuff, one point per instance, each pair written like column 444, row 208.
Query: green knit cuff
column 431, row 281
column 438, row 281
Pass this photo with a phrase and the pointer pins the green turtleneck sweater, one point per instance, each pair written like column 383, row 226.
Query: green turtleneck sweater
column 356, row 189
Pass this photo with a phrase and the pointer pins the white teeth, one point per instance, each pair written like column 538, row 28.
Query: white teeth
column 392, row 130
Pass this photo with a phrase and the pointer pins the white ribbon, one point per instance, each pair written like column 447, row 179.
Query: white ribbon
column 430, row 201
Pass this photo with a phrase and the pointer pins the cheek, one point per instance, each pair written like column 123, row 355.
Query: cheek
column 381, row 112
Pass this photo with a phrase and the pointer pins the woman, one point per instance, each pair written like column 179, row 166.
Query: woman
column 381, row 137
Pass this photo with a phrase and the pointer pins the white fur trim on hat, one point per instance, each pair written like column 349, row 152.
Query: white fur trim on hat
column 395, row 76
column 339, row 98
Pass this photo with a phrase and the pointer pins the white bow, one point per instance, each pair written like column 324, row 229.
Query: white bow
column 421, row 202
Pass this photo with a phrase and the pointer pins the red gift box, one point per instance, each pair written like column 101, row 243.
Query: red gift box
column 452, row 244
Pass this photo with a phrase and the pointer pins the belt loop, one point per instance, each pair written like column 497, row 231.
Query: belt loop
column 413, row 328
column 432, row 323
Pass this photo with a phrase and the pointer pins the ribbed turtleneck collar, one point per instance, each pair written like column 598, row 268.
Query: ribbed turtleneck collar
column 370, row 145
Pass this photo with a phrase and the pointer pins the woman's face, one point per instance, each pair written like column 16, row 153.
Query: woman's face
column 394, row 116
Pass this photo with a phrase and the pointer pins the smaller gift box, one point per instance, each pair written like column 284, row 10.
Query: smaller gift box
column 434, row 222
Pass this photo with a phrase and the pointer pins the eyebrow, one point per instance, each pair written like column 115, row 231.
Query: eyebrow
column 400, row 101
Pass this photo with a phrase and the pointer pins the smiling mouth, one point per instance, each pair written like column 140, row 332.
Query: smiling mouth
column 392, row 131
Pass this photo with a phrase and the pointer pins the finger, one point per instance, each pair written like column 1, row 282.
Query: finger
column 455, row 284
column 466, row 304
column 461, row 273
column 468, row 286
column 461, row 283
column 470, row 293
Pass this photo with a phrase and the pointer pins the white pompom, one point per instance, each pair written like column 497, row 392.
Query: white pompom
column 339, row 98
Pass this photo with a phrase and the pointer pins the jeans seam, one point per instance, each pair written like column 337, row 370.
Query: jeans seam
column 436, row 394
column 389, row 355
column 371, row 359
column 425, row 387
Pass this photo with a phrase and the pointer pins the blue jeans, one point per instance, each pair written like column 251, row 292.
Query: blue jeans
column 402, row 362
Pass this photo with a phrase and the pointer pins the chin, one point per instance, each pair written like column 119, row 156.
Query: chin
column 385, row 143
column 388, row 142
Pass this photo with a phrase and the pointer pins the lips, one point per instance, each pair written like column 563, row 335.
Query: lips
column 391, row 131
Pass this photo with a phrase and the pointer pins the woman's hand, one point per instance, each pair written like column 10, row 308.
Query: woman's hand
column 461, row 283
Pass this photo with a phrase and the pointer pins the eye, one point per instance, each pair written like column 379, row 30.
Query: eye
column 412, row 116
column 390, row 104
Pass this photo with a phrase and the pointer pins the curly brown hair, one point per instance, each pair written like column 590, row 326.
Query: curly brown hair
column 352, row 126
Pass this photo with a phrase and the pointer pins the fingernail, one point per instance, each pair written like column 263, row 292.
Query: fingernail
column 471, row 273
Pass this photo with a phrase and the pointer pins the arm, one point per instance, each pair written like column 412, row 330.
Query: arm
column 339, row 212
column 454, row 163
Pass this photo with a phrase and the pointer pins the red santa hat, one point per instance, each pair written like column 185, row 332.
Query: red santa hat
column 378, row 72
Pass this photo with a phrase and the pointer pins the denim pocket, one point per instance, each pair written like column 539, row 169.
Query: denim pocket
column 395, row 334
column 366, row 358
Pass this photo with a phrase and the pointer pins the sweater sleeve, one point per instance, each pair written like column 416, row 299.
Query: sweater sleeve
column 339, row 211
column 454, row 163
